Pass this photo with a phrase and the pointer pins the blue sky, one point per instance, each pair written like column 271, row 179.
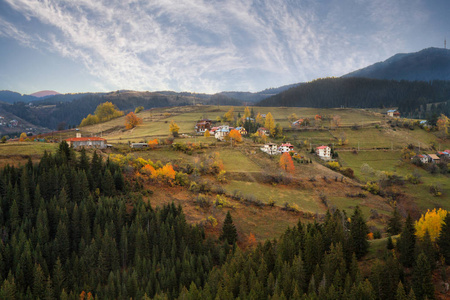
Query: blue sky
column 204, row 45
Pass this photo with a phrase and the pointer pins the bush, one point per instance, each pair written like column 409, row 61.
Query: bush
column 436, row 190
column 348, row 172
column 202, row 201
column 372, row 187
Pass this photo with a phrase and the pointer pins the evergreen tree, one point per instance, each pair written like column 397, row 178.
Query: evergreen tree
column 229, row 232
column 443, row 241
column 406, row 243
column 422, row 278
column 358, row 232
column 401, row 294
column 394, row 226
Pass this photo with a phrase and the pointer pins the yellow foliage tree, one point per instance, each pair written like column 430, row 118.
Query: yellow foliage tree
column 107, row 111
column 23, row 136
column 432, row 221
column 235, row 135
column 247, row 113
column 89, row 120
column 259, row 119
column 336, row 121
column 292, row 118
column 229, row 115
column 442, row 124
column 207, row 134
column 131, row 121
column 174, row 128
column 270, row 124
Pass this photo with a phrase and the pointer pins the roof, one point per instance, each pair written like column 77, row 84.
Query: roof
column 262, row 128
column 433, row 156
column 322, row 147
column 270, row 144
column 287, row 145
column 392, row 110
column 84, row 139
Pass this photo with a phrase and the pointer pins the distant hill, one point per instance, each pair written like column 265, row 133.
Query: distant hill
column 410, row 96
column 45, row 93
column 11, row 97
column 258, row 96
column 425, row 65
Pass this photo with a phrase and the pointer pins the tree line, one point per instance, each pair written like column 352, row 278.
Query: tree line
column 412, row 97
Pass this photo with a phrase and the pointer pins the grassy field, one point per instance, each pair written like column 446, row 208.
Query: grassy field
column 235, row 161
column 27, row 148
column 304, row 199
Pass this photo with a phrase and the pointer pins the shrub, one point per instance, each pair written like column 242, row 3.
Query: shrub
column 334, row 165
column 202, row 201
column 372, row 187
column 436, row 190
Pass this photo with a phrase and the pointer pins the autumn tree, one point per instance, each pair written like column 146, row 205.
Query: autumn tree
column 235, row 135
column 23, row 137
column 270, row 124
column 292, row 117
column 153, row 143
column 247, row 113
column 432, row 222
column 174, row 128
column 442, row 124
column 107, row 111
column 336, row 121
column 286, row 163
column 131, row 120
column 138, row 109
column 207, row 134
column 229, row 115
column 259, row 119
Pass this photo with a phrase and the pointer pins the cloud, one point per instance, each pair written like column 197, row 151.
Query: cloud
column 208, row 46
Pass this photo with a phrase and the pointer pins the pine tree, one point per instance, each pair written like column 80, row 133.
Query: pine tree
column 406, row 243
column 358, row 232
column 401, row 294
column 229, row 232
column 443, row 241
column 394, row 226
column 422, row 278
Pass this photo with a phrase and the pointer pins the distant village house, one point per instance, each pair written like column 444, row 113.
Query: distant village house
column 270, row 148
column 324, row 152
column 287, row 147
column 202, row 126
column 87, row 142
column 393, row 113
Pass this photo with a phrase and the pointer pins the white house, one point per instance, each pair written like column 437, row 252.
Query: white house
column 287, row 147
column 89, row 142
column 222, row 132
column 393, row 113
column 324, row 152
column 270, row 148
column 423, row 158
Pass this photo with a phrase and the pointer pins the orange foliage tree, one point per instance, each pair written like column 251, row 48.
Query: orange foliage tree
column 131, row 120
column 153, row 143
column 286, row 163
column 432, row 221
column 235, row 135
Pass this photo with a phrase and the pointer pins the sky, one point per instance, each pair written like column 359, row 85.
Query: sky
column 204, row 46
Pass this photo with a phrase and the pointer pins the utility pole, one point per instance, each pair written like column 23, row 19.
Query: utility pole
column 419, row 147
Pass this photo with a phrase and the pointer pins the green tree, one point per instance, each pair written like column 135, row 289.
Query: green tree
column 422, row 278
column 407, row 242
column 443, row 241
column 394, row 226
column 229, row 232
column 358, row 232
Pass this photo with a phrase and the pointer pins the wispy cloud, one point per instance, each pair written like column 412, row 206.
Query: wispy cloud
column 202, row 45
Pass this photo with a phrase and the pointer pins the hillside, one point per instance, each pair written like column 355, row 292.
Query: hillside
column 410, row 97
column 45, row 93
column 11, row 97
column 425, row 65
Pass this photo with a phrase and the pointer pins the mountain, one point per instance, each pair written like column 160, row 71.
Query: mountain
column 425, row 65
column 410, row 97
column 258, row 96
column 45, row 93
column 11, row 97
